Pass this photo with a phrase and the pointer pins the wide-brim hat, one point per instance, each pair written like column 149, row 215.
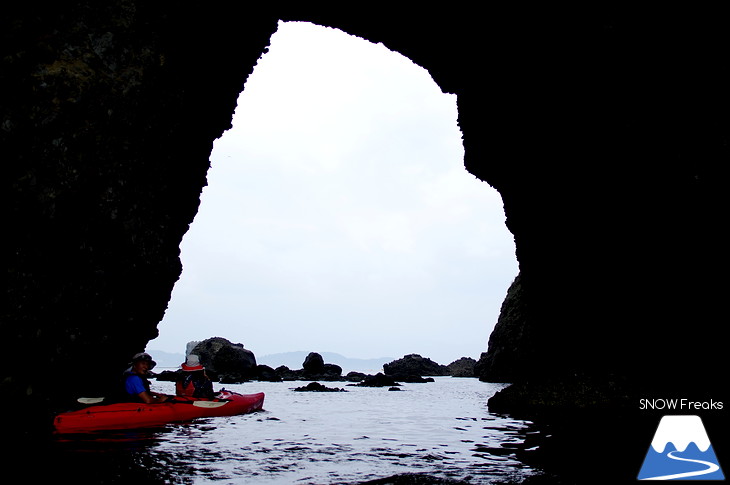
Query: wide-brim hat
column 192, row 364
column 144, row 356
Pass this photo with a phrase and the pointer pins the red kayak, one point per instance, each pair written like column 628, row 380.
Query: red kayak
column 127, row 415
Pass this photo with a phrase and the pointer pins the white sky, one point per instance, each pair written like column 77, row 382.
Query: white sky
column 338, row 215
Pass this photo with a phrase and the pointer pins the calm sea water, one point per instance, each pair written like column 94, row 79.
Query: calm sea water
column 442, row 429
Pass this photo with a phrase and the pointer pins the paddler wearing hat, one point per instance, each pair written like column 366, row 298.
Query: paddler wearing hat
column 135, row 380
column 193, row 381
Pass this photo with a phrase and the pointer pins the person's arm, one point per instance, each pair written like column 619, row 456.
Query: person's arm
column 208, row 388
column 152, row 397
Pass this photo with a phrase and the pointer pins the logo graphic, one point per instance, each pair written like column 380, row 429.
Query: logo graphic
column 680, row 450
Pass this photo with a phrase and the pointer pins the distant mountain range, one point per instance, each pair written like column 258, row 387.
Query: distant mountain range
column 292, row 360
column 167, row 359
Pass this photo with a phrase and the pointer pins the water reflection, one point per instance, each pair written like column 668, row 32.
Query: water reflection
column 101, row 458
column 441, row 429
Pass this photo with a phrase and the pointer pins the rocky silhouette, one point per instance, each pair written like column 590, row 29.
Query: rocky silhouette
column 378, row 380
column 225, row 361
column 317, row 387
column 414, row 365
column 463, row 367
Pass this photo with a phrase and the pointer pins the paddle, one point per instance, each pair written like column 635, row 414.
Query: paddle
column 199, row 404
column 207, row 404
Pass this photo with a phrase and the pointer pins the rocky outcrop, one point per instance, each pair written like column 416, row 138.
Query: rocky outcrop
column 225, row 361
column 286, row 374
column 317, row 387
column 463, row 367
column 313, row 368
column 313, row 364
column 414, row 365
column 508, row 348
column 166, row 375
column 378, row 380
column 354, row 376
column 266, row 373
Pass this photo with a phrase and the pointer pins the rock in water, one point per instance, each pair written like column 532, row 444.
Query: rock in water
column 464, row 367
column 228, row 361
column 317, row 387
column 414, row 365
column 313, row 364
column 378, row 380
column 266, row 373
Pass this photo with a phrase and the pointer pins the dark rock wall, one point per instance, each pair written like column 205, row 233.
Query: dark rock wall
column 509, row 345
column 605, row 134
column 108, row 118
column 605, row 137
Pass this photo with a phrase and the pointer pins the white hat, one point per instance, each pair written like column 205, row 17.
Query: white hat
column 192, row 364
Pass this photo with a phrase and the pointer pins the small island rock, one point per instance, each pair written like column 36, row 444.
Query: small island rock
column 229, row 362
column 317, row 387
column 313, row 363
column 378, row 380
column 414, row 365
column 464, row 367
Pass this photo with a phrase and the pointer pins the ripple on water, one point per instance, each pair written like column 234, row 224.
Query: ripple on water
column 441, row 428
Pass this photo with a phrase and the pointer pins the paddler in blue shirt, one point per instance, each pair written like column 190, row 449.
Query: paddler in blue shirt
column 135, row 380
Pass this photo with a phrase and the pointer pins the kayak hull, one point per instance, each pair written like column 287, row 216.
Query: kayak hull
column 128, row 415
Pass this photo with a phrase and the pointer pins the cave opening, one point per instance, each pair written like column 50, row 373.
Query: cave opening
column 338, row 215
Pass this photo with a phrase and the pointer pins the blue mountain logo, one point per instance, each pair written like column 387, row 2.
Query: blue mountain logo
column 681, row 450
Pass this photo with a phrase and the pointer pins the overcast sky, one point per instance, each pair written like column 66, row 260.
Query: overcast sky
column 338, row 215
